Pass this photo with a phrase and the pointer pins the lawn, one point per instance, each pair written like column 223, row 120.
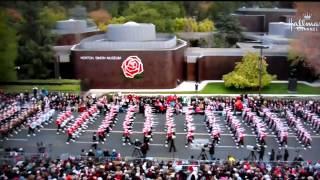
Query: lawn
column 21, row 88
column 65, row 85
column 42, row 82
column 275, row 88
column 48, row 84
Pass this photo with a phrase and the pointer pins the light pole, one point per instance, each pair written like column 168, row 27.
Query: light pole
column 261, row 47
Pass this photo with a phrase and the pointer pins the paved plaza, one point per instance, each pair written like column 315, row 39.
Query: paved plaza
column 56, row 143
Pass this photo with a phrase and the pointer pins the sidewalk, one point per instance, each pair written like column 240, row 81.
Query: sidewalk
column 190, row 86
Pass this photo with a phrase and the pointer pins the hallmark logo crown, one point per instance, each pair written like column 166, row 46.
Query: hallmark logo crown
column 307, row 16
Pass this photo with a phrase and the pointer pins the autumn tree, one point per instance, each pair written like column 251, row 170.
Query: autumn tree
column 307, row 42
column 246, row 73
column 100, row 17
column 14, row 14
column 205, row 25
column 191, row 25
column 118, row 20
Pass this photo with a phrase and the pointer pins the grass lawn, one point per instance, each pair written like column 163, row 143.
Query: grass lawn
column 48, row 84
column 275, row 88
column 21, row 88
column 64, row 81
column 42, row 82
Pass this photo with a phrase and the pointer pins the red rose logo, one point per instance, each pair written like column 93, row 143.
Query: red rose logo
column 132, row 66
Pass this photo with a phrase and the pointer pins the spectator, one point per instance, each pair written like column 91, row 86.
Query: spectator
column 286, row 155
column 114, row 154
column 203, row 154
column 83, row 168
column 94, row 141
column 279, row 155
column 144, row 150
column 272, row 155
column 90, row 153
column 211, row 150
column 106, row 153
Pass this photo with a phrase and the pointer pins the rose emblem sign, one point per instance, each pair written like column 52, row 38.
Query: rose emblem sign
column 132, row 66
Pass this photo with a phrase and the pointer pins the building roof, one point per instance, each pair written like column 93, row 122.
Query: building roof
column 72, row 26
column 249, row 45
column 266, row 10
column 131, row 32
column 273, row 39
column 98, row 43
column 195, row 51
column 130, row 36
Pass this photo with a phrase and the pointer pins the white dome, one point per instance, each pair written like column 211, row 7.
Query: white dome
column 131, row 31
column 71, row 24
column 131, row 23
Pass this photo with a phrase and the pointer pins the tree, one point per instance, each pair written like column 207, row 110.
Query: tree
column 52, row 13
column 219, row 41
column 179, row 24
column 307, row 42
column 117, row 20
column 246, row 73
column 135, row 8
column 204, row 8
column 141, row 12
column 168, row 10
column 295, row 58
column 122, row 6
column 191, row 8
column 222, row 8
column 161, row 14
column 100, row 16
column 14, row 14
column 191, row 25
column 260, row 4
column 8, row 49
column 35, row 53
column 205, row 25
column 230, row 29
column 78, row 12
column 114, row 20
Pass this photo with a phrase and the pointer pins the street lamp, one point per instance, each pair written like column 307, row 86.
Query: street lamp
column 261, row 47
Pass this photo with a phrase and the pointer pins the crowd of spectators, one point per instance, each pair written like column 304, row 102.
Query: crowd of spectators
column 113, row 167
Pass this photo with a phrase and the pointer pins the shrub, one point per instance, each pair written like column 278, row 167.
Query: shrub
column 246, row 73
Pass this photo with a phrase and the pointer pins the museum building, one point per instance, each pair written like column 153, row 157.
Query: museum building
column 133, row 55
column 130, row 55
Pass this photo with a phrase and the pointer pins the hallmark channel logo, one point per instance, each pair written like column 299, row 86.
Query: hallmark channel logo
column 304, row 24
